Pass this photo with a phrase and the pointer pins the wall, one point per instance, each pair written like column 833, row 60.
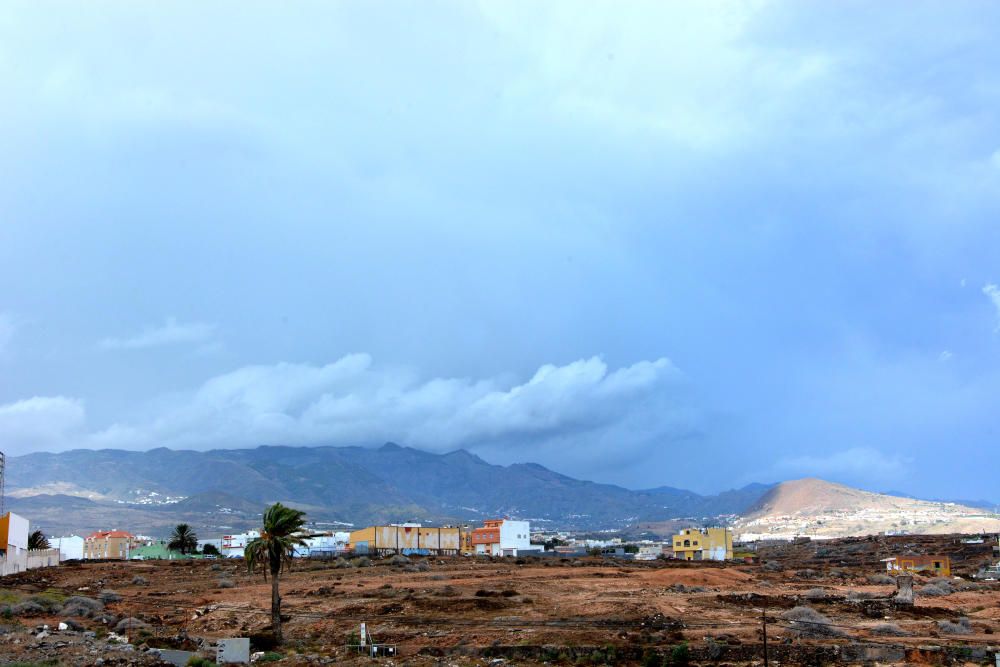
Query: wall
column 42, row 558
column 70, row 548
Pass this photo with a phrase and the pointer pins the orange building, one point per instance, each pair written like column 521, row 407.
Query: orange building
column 939, row 565
column 109, row 545
column 485, row 537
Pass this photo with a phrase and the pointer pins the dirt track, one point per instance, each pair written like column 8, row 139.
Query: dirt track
column 524, row 610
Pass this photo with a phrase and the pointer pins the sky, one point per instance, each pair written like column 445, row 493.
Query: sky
column 693, row 244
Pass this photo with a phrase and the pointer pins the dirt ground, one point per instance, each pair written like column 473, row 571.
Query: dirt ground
column 463, row 610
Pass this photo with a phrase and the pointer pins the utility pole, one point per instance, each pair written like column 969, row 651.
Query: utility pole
column 763, row 618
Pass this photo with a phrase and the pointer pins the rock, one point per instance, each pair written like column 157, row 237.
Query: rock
column 63, row 626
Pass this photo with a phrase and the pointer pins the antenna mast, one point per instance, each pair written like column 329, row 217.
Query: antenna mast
column 2, row 466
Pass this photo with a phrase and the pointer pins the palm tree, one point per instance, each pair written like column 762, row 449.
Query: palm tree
column 183, row 539
column 273, row 550
column 37, row 540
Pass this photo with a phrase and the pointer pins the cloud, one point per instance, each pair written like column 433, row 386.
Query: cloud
column 171, row 333
column 855, row 465
column 993, row 292
column 42, row 422
column 352, row 401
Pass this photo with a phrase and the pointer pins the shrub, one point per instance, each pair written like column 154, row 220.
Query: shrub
column 807, row 622
column 361, row 561
column 84, row 607
column 72, row 625
column 935, row 589
column 198, row 661
column 651, row 658
column 889, row 630
column 881, row 580
column 773, row 566
column 226, row 583
column 47, row 601
column 959, row 627
column 680, row 654
column 399, row 559
column 27, row 608
column 139, row 580
column 107, row 596
column 131, row 623
column 216, row 567
column 814, row 594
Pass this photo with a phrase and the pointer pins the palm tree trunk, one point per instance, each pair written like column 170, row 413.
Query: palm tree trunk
column 275, row 607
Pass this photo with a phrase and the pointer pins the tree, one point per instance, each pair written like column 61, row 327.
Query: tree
column 210, row 550
column 183, row 539
column 272, row 551
column 37, row 540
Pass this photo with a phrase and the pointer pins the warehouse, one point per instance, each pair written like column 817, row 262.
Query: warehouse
column 406, row 538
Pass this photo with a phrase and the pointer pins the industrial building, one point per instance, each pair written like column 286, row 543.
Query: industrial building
column 703, row 544
column 109, row 545
column 406, row 538
column 938, row 565
column 502, row 537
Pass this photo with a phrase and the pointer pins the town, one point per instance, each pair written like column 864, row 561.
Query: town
column 371, row 593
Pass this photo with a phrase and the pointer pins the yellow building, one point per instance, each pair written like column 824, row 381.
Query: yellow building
column 109, row 545
column 706, row 544
column 407, row 538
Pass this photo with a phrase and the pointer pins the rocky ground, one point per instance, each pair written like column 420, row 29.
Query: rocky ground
column 820, row 607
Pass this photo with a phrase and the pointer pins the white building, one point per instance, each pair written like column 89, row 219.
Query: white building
column 14, row 531
column 328, row 543
column 215, row 543
column 234, row 545
column 502, row 537
column 70, row 547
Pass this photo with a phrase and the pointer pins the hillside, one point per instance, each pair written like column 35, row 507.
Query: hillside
column 224, row 490
column 819, row 508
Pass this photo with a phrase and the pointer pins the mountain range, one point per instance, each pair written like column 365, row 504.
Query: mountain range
column 225, row 490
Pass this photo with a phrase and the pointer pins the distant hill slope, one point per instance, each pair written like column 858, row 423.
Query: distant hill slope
column 823, row 509
column 225, row 489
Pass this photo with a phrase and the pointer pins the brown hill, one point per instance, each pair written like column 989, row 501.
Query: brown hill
column 816, row 496
column 814, row 507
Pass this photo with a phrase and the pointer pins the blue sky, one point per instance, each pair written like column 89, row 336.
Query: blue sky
column 691, row 244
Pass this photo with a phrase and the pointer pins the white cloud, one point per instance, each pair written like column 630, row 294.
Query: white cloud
column 855, row 465
column 352, row 401
column 170, row 333
column 993, row 292
column 945, row 356
column 41, row 423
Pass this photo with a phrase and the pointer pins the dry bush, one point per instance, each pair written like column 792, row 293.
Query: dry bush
column 807, row 622
column 226, row 583
column 935, row 589
column 881, row 579
column 815, row 594
column 85, row 607
column 139, row 580
column 108, row 596
column 28, row 608
column 131, row 623
column 959, row 627
column 889, row 630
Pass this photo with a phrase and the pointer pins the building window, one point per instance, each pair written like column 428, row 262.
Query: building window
column 687, row 543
